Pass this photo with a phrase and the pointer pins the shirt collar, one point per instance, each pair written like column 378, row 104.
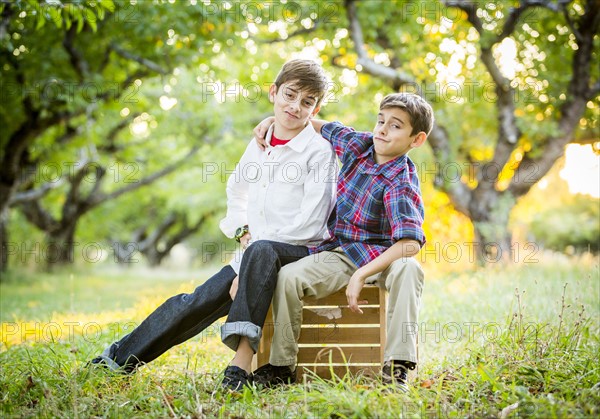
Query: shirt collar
column 390, row 169
column 299, row 142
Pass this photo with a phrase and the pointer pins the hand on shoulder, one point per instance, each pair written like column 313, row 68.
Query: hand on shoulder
column 260, row 132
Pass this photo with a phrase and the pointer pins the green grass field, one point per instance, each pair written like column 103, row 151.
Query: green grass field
column 520, row 341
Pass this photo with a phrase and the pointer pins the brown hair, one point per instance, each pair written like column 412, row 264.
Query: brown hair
column 419, row 111
column 307, row 75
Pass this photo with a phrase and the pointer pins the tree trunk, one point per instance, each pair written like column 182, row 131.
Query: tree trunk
column 154, row 256
column 61, row 248
column 124, row 253
column 4, row 244
column 493, row 243
column 6, row 191
column 489, row 212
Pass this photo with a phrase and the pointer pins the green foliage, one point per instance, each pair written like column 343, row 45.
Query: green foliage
column 186, row 64
column 131, row 130
column 573, row 225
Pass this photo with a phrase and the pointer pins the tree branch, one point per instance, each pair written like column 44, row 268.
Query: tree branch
column 111, row 147
column 396, row 77
column 187, row 231
column 72, row 201
column 570, row 22
column 532, row 169
column 5, row 18
column 100, row 173
column 470, row 8
column 78, row 62
column 594, row 91
column 515, row 13
column 101, row 197
column 508, row 133
column 510, row 24
column 35, row 214
column 585, row 140
column 152, row 239
column 459, row 192
column 304, row 31
column 151, row 65
column 34, row 194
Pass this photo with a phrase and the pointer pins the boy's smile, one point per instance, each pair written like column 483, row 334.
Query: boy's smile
column 392, row 135
column 293, row 108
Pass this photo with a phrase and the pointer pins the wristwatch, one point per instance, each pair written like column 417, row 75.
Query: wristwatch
column 240, row 232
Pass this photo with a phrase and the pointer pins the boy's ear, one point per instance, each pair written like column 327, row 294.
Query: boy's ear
column 272, row 92
column 419, row 140
column 315, row 111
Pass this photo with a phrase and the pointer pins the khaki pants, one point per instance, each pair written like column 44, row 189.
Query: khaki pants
column 327, row 272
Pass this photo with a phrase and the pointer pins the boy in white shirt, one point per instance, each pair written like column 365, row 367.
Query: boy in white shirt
column 278, row 202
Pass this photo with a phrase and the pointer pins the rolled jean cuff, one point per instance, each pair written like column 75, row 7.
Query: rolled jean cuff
column 107, row 357
column 232, row 331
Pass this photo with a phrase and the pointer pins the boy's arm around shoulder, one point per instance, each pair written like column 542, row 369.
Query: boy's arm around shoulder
column 347, row 143
column 237, row 193
column 335, row 132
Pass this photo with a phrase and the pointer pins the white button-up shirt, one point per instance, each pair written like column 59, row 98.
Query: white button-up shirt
column 284, row 193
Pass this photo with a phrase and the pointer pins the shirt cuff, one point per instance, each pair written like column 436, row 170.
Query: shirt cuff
column 328, row 128
column 228, row 226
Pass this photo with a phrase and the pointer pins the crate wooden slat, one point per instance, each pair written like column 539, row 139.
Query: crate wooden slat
column 318, row 333
column 370, row 316
column 351, row 354
column 370, row 293
column 336, row 335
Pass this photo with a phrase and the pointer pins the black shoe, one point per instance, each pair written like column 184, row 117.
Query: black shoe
column 234, row 378
column 396, row 373
column 271, row 375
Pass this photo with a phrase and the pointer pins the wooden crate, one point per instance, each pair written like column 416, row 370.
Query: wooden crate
column 351, row 342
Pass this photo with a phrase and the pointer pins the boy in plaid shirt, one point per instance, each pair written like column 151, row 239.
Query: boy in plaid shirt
column 375, row 232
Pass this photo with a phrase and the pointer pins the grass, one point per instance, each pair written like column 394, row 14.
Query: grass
column 521, row 341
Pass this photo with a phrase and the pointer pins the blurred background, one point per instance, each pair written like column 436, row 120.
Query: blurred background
column 121, row 120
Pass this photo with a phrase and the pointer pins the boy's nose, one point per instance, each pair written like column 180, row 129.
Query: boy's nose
column 294, row 105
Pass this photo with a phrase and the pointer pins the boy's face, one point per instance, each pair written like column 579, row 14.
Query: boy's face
column 391, row 136
column 293, row 108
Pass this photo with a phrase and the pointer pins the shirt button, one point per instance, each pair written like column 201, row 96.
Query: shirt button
column 264, row 185
column 262, row 213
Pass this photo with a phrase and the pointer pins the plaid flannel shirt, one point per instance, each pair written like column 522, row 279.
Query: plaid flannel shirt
column 376, row 205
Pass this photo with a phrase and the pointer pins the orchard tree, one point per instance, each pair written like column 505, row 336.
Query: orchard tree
column 70, row 72
column 511, row 82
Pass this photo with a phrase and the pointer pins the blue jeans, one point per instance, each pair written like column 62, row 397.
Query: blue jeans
column 185, row 315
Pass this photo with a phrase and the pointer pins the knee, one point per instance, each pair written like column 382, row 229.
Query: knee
column 406, row 269
column 287, row 280
column 260, row 247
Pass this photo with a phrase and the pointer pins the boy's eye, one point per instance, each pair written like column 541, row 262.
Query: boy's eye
column 379, row 122
column 308, row 103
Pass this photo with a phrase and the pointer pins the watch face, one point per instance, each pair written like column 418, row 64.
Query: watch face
column 238, row 231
